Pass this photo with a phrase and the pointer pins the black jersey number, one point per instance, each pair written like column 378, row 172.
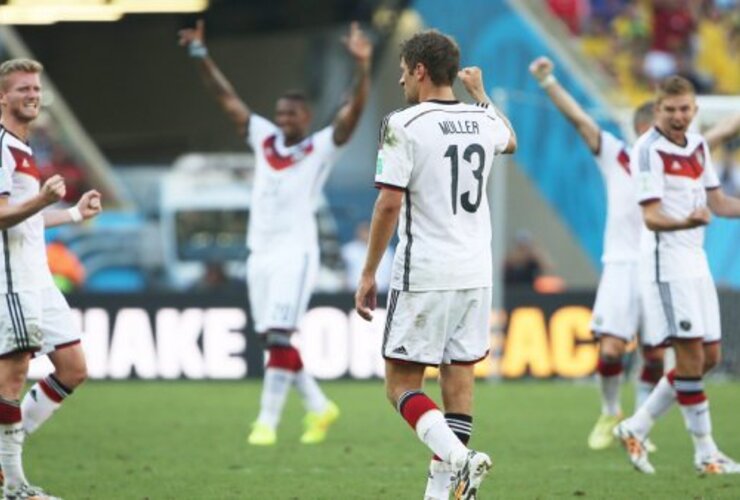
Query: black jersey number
column 470, row 151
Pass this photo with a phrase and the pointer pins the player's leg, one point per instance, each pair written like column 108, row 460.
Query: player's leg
column 321, row 413
column 62, row 344
column 403, row 382
column 468, row 343
column 609, row 369
column 13, row 370
column 615, row 322
column 47, row 395
column 651, row 373
column 456, row 383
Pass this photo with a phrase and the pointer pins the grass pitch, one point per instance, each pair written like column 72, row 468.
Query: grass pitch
column 186, row 440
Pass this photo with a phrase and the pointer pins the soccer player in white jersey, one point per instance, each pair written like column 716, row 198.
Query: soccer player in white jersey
column 34, row 316
column 677, row 187
column 616, row 312
column 290, row 171
column 432, row 169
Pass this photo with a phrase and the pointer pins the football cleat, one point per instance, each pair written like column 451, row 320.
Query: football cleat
column 716, row 463
column 317, row 424
column 27, row 492
column 602, row 436
column 262, row 435
column 470, row 475
column 635, row 448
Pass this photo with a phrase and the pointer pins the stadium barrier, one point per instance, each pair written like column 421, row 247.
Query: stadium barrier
column 208, row 336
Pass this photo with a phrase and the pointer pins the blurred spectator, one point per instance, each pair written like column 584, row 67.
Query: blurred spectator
column 353, row 255
column 571, row 12
column 525, row 262
column 66, row 269
column 216, row 279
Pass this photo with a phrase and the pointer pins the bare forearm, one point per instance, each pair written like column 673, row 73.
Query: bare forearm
column 349, row 115
column 723, row 131
column 54, row 218
column 574, row 113
column 658, row 221
column 223, row 91
column 12, row 215
column 381, row 231
column 725, row 206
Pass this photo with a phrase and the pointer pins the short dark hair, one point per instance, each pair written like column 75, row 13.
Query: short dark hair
column 438, row 52
column 645, row 113
column 295, row 95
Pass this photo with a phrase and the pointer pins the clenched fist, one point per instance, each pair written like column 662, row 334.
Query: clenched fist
column 89, row 204
column 53, row 190
column 541, row 68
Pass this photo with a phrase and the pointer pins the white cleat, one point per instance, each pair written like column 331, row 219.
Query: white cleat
column 470, row 475
column 649, row 445
column 635, row 448
column 27, row 492
column 716, row 463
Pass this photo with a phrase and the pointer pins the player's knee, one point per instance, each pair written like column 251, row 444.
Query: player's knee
column 611, row 348
column 72, row 376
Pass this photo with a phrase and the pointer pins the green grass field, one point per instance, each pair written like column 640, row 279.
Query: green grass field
column 184, row 440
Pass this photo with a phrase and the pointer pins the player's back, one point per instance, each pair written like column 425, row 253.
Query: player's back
column 441, row 154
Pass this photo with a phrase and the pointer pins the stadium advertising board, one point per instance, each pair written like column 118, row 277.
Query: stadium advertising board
column 208, row 336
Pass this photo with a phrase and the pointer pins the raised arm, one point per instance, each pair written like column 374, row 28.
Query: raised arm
column 228, row 99
column 542, row 68
column 723, row 131
column 472, row 79
column 361, row 49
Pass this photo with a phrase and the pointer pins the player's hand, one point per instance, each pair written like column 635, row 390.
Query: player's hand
column 366, row 298
column 358, row 44
column 89, row 204
column 53, row 190
column 541, row 68
column 190, row 35
column 472, row 79
column 701, row 216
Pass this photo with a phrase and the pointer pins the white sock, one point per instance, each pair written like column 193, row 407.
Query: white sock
column 642, row 391
column 313, row 397
column 37, row 406
column 439, row 481
column 656, row 404
column 275, row 389
column 699, row 424
column 610, row 395
column 11, row 449
column 433, row 430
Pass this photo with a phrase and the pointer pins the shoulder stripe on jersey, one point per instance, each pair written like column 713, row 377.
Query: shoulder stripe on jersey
column 392, row 301
column 384, row 125
column 667, row 302
column 482, row 104
column 409, row 241
column 6, row 254
column 643, row 155
column 476, row 111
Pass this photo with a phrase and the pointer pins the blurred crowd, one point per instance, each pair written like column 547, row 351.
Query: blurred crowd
column 639, row 42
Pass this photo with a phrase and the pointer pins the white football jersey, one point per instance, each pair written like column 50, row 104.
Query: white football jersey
column 440, row 154
column 24, row 263
column 287, row 184
column 678, row 176
column 623, row 217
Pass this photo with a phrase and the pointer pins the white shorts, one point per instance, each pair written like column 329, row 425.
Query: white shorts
column 279, row 285
column 684, row 309
column 438, row 327
column 38, row 320
column 617, row 307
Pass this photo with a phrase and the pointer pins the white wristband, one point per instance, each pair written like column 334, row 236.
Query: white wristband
column 197, row 50
column 75, row 214
column 548, row 80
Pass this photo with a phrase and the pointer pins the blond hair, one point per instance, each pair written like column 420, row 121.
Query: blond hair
column 18, row 66
column 672, row 86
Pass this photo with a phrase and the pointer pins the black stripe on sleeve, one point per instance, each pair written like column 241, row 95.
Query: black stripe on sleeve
column 409, row 241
